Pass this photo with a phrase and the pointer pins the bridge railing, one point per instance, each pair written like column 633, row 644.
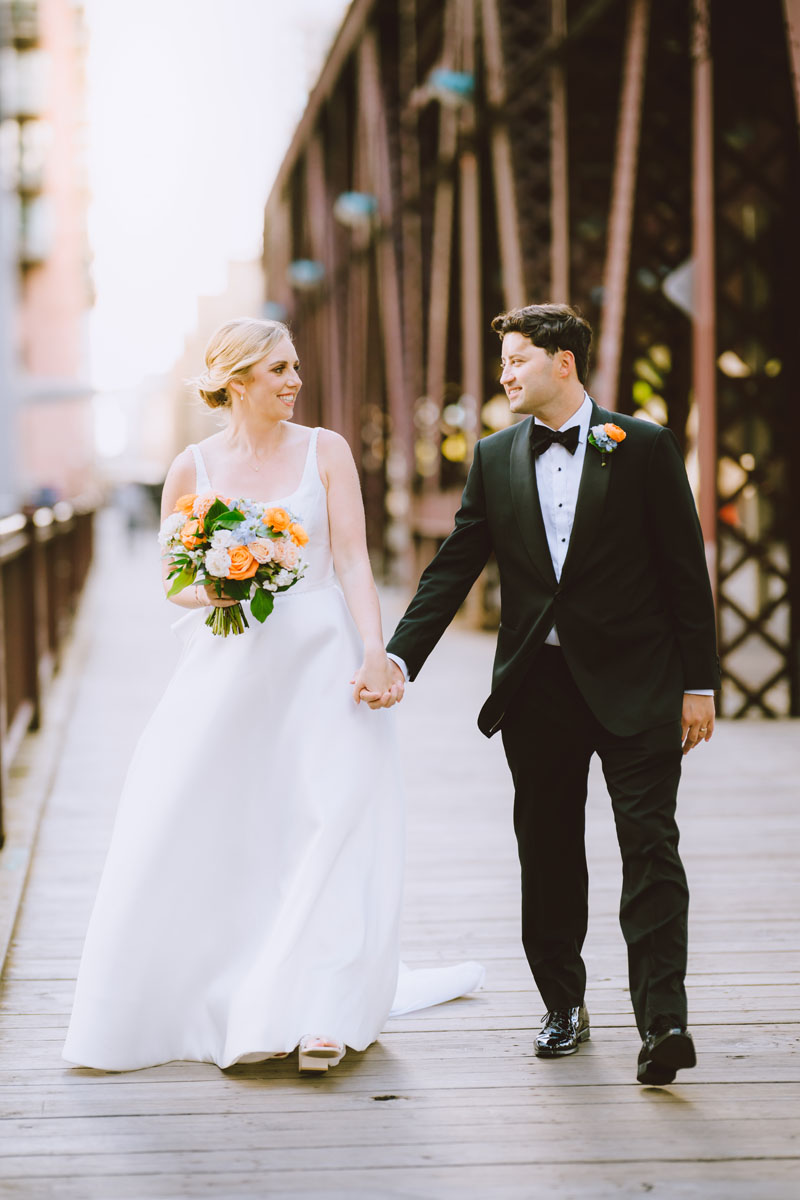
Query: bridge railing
column 45, row 555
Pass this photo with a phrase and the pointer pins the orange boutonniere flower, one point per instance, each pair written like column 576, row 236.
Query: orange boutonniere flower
column 606, row 438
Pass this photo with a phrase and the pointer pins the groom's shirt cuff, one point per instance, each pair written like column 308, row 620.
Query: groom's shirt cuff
column 688, row 691
column 401, row 662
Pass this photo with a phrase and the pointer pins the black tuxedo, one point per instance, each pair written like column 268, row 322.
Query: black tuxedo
column 635, row 618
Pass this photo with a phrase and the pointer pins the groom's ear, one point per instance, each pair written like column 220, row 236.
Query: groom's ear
column 565, row 364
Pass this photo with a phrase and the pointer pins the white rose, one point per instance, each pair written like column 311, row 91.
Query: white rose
column 218, row 562
column 170, row 528
column 221, row 539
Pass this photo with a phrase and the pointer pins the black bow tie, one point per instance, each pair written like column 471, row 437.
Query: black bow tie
column 542, row 437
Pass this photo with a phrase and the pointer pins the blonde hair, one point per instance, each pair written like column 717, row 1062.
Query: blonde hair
column 235, row 347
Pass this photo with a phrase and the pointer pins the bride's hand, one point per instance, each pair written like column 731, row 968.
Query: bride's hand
column 206, row 595
column 378, row 682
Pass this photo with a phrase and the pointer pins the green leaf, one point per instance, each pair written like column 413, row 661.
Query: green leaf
column 227, row 521
column 217, row 509
column 182, row 580
column 261, row 605
column 237, row 589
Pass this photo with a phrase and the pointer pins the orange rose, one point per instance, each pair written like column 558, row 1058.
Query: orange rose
column 243, row 565
column 299, row 535
column 277, row 518
column 615, row 433
column 191, row 534
column 186, row 504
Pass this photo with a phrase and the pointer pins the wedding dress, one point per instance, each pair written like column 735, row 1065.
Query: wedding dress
column 252, row 890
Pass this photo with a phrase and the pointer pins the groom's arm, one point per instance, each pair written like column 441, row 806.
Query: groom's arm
column 681, row 553
column 447, row 579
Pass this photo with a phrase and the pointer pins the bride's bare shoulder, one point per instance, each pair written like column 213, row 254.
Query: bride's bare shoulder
column 334, row 456
column 179, row 480
column 329, row 441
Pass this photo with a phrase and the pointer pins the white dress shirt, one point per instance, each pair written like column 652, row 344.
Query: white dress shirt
column 558, row 478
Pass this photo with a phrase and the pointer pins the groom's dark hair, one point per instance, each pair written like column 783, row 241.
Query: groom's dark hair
column 552, row 327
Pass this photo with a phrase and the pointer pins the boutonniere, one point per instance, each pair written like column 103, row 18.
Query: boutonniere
column 606, row 438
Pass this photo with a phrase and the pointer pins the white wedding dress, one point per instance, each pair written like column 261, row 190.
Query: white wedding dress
column 252, row 889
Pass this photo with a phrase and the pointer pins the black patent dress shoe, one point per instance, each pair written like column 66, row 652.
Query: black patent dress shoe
column 667, row 1048
column 562, row 1031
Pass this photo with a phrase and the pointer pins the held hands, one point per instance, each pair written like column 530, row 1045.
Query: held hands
column 378, row 682
column 697, row 720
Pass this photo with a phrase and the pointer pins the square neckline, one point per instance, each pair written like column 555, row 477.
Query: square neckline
column 199, row 461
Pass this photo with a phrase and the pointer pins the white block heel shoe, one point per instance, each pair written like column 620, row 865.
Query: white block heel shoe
column 318, row 1053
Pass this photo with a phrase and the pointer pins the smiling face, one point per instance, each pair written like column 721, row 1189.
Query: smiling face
column 534, row 380
column 271, row 386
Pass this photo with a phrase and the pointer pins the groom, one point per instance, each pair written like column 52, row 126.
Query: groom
column 606, row 645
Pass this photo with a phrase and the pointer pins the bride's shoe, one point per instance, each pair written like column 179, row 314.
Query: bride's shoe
column 319, row 1053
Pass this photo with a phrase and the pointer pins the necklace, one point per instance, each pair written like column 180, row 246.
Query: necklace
column 254, row 462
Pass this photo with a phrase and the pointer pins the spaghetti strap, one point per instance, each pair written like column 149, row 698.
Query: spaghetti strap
column 311, row 461
column 202, row 483
column 310, row 468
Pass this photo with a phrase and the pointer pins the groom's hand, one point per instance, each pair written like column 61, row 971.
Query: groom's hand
column 395, row 692
column 697, row 720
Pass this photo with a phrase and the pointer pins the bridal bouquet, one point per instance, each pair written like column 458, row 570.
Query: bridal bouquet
column 244, row 548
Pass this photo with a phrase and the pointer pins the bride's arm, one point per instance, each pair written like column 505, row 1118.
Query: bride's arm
column 376, row 675
column 180, row 482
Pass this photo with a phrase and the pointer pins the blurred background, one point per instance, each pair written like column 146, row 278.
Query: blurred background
column 387, row 175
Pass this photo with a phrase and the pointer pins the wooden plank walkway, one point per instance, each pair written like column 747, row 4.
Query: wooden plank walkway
column 451, row 1102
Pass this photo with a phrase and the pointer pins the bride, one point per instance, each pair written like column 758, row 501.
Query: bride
column 250, row 900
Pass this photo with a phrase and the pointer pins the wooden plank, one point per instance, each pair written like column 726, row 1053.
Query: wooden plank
column 695, row 1181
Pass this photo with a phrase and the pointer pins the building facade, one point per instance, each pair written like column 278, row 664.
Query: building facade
column 46, row 289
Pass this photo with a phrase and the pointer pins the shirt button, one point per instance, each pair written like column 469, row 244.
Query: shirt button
column 563, row 539
column 561, row 506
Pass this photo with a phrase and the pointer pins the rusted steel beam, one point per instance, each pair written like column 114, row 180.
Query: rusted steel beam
column 470, row 231
column 505, row 197
column 559, row 176
column 441, row 258
column 615, row 276
column 441, row 248
column 356, row 309
column 322, row 249
column 278, row 251
column 704, row 335
column 411, row 222
column 346, row 42
column 401, row 441
column 791, row 10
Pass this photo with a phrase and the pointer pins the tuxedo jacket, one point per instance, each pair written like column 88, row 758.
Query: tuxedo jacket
column 633, row 608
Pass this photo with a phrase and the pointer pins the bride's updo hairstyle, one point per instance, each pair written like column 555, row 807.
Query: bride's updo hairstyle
column 236, row 347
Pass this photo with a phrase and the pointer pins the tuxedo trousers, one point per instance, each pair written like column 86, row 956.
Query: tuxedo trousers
column 549, row 735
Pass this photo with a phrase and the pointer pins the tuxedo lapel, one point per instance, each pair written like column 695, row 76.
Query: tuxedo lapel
column 592, row 492
column 527, row 508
